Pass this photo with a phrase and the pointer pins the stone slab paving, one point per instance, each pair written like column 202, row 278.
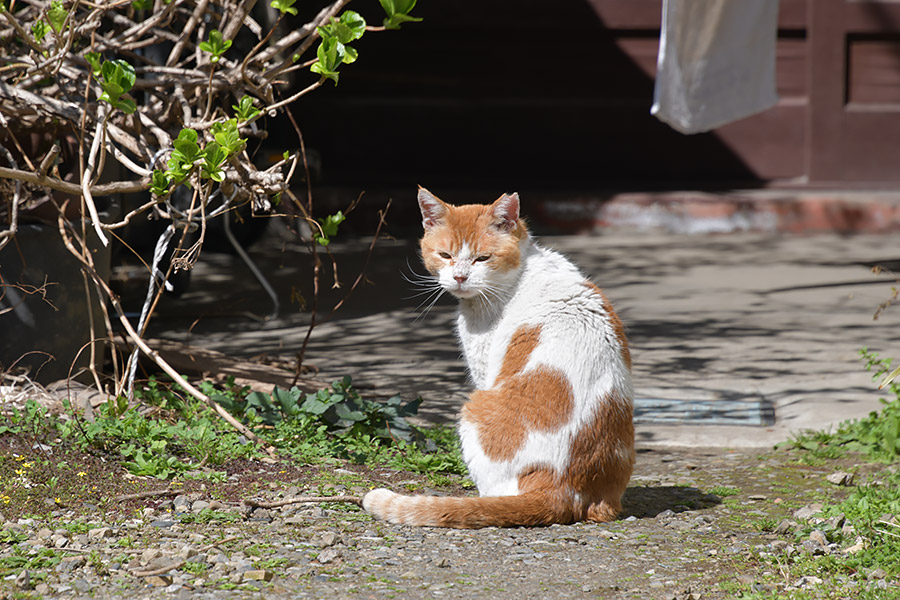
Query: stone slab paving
column 728, row 320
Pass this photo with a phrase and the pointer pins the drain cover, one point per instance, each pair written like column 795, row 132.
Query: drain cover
column 704, row 412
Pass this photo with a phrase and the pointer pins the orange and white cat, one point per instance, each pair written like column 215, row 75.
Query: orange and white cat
column 547, row 435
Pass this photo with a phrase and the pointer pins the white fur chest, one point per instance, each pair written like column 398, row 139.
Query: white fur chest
column 476, row 332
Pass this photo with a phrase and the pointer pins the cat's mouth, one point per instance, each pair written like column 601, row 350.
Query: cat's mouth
column 462, row 291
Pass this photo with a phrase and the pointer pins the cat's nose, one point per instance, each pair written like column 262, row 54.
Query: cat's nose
column 460, row 278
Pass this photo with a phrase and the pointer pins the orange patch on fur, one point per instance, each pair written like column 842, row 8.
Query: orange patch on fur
column 602, row 459
column 615, row 321
column 539, row 400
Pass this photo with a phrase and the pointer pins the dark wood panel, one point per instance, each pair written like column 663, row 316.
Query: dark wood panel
column 874, row 70
column 792, row 67
column 770, row 143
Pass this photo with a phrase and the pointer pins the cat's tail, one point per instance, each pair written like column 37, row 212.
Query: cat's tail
column 539, row 507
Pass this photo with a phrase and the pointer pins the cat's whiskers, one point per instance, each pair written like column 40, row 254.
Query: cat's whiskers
column 431, row 289
column 437, row 295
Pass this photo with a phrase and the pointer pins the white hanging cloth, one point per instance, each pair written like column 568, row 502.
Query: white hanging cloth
column 716, row 62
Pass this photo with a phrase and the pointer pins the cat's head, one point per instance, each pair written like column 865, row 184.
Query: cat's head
column 472, row 250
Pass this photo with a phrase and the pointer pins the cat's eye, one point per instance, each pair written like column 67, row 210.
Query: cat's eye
column 444, row 255
column 483, row 258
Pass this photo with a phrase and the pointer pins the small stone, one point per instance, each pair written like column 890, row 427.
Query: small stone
column 100, row 533
column 807, row 511
column 813, row 547
column 261, row 515
column 82, row 586
column 158, row 580
column 443, row 563
column 199, row 505
column 666, row 514
column 778, row 545
column 836, row 522
column 23, row 580
column 217, row 505
column 840, row 478
column 258, row 575
column 70, row 563
column 59, row 541
column 807, row 581
column 818, row 537
column 295, row 520
column 44, row 534
column 786, row 526
column 150, row 554
column 188, row 552
column 856, row 547
column 757, row 497
column 329, row 538
column 328, row 555
column 877, row 574
column 162, row 524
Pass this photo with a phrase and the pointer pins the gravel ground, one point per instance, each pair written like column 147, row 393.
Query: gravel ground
column 698, row 523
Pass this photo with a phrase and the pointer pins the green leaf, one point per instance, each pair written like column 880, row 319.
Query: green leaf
column 349, row 27
column 116, row 78
column 331, row 54
column 142, row 4
column 93, row 59
column 215, row 45
column 213, row 157
column 39, row 29
column 284, row 6
column 245, row 109
column 329, row 227
column 126, row 105
column 397, row 12
column 227, row 136
column 159, row 183
column 186, row 144
column 57, row 15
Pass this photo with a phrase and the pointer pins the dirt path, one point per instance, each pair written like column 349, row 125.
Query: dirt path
column 698, row 523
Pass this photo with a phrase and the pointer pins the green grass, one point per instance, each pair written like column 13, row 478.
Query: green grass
column 723, row 491
column 869, row 538
column 876, row 436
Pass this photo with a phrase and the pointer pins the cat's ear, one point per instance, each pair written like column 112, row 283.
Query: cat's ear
column 506, row 212
column 433, row 209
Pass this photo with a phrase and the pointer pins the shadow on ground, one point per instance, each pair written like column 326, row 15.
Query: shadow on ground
column 648, row 501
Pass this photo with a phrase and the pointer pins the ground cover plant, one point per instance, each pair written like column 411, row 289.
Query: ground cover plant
column 163, row 109
column 170, row 436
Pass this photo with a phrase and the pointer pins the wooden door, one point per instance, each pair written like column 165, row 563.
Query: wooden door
column 854, row 105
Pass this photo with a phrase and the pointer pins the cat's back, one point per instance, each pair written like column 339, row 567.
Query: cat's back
column 571, row 322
